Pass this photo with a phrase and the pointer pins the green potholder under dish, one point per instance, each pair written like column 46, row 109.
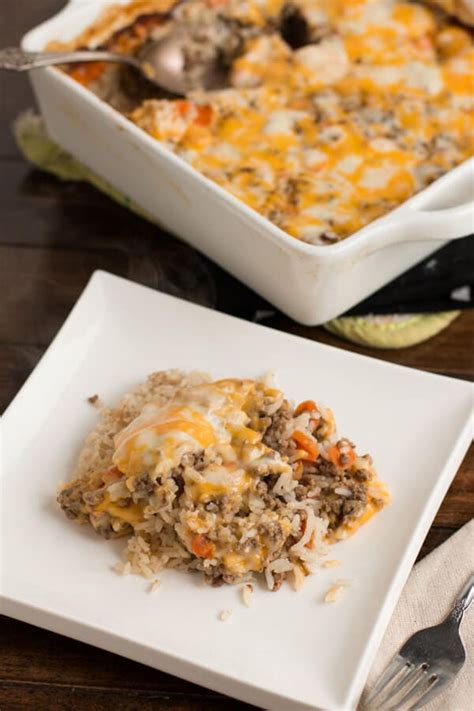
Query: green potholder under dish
column 396, row 331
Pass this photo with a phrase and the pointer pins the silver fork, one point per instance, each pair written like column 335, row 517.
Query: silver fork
column 426, row 664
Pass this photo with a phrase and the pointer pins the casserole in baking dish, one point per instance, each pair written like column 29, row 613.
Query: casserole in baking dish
column 400, row 119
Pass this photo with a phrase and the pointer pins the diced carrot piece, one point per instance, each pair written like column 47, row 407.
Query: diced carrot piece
column 87, row 72
column 201, row 547
column 306, row 406
column 342, row 460
column 307, row 444
column 333, row 453
column 182, row 106
column 204, row 115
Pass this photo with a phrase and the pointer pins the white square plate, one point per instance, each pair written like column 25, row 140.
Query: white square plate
column 289, row 650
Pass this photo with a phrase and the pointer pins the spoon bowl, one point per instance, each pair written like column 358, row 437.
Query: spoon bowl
column 162, row 62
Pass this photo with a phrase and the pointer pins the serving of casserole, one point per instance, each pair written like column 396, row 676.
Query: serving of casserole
column 227, row 478
column 336, row 114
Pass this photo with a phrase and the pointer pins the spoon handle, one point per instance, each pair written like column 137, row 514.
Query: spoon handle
column 18, row 60
column 463, row 601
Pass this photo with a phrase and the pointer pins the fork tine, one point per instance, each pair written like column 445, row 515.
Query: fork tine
column 407, row 680
column 389, row 673
column 416, row 686
column 435, row 688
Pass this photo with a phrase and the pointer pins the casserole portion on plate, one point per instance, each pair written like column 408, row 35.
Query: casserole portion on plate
column 222, row 477
column 335, row 113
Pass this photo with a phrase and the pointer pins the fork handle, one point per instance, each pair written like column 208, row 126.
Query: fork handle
column 463, row 602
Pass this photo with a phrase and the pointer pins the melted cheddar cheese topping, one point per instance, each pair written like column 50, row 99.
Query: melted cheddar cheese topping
column 226, row 477
column 214, row 418
column 132, row 513
column 196, row 420
column 324, row 138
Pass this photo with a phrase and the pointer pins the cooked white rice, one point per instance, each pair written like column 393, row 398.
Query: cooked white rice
column 282, row 521
column 335, row 591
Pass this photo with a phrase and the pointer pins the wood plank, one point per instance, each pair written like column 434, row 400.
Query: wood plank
column 16, row 364
column 458, row 505
column 16, row 18
column 451, row 352
column 435, row 537
column 25, row 648
column 39, row 210
column 18, row 697
column 40, row 285
column 94, row 674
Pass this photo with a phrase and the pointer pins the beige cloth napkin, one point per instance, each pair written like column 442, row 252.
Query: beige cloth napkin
column 427, row 597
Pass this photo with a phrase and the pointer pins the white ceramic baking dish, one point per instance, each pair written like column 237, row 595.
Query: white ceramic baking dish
column 312, row 284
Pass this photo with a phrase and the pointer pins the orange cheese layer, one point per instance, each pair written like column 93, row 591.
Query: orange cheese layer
column 328, row 137
column 206, row 448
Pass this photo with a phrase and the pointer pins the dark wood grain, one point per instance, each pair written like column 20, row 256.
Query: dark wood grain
column 451, row 352
column 53, row 235
column 63, row 673
column 458, row 505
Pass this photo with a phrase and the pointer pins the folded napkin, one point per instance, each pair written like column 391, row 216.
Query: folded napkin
column 426, row 599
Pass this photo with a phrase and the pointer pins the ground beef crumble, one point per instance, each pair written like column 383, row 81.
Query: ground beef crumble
column 275, row 434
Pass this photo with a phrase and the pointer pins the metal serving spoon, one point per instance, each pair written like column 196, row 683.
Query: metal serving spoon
column 163, row 62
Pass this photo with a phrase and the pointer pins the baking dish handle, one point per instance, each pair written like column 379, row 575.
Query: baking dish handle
column 408, row 224
column 443, row 211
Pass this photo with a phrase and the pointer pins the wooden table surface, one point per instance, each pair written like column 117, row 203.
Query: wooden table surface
column 53, row 235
